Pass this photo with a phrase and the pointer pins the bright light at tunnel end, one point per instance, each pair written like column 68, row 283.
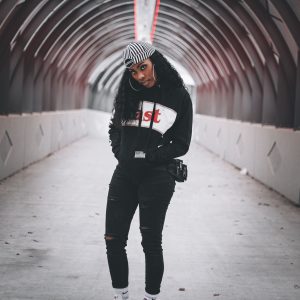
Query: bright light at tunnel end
column 140, row 13
column 145, row 27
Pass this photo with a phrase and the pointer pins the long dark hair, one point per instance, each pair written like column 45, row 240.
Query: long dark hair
column 127, row 99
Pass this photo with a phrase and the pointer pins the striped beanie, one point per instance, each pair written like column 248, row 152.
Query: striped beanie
column 136, row 52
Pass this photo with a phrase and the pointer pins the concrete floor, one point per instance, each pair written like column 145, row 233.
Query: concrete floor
column 226, row 236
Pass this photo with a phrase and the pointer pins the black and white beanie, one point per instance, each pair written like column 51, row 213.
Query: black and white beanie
column 136, row 52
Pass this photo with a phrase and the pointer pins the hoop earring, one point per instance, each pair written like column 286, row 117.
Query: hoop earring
column 153, row 74
column 132, row 85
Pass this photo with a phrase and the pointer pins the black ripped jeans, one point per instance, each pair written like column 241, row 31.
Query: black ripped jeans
column 151, row 190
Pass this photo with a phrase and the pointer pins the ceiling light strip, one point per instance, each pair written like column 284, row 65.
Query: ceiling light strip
column 155, row 19
column 135, row 20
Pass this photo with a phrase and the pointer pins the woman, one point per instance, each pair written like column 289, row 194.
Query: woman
column 151, row 125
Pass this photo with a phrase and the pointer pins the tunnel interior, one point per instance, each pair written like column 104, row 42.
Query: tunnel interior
column 242, row 54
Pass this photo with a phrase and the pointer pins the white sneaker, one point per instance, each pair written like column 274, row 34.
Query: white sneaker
column 119, row 297
column 124, row 296
column 149, row 297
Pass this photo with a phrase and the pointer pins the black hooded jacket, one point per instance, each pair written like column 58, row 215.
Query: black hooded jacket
column 170, row 135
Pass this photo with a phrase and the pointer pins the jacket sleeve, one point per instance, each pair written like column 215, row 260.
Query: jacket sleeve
column 114, row 138
column 178, row 141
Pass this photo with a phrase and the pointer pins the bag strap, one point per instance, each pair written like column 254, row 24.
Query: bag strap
column 140, row 121
column 150, row 127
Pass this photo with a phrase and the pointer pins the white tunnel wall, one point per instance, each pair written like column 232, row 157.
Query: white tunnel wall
column 27, row 138
column 270, row 155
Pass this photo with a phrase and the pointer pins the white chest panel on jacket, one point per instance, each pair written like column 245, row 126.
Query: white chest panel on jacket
column 164, row 117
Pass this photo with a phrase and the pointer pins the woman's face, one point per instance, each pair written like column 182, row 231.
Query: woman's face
column 144, row 73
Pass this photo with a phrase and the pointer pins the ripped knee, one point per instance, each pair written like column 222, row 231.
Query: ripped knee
column 144, row 228
column 108, row 237
column 111, row 238
column 115, row 244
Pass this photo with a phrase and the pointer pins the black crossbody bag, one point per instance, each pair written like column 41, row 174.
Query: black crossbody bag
column 178, row 170
column 176, row 167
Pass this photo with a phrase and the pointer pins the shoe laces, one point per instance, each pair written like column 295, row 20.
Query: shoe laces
column 120, row 297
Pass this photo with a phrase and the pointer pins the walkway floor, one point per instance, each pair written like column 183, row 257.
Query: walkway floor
column 226, row 236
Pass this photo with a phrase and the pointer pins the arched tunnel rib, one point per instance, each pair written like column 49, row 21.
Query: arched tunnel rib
column 60, row 69
column 242, row 54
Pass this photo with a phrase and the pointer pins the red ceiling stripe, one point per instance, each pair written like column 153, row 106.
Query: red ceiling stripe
column 135, row 20
column 155, row 20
